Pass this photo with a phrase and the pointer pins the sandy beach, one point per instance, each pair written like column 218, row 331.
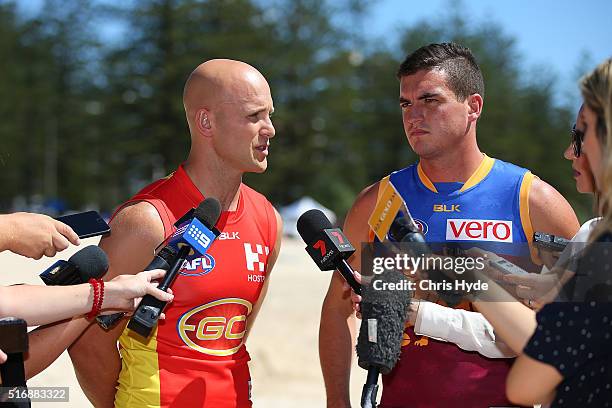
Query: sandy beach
column 283, row 344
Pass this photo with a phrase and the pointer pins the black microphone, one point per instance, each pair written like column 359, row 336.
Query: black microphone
column 207, row 213
column 327, row 246
column 89, row 262
column 14, row 342
column 384, row 308
column 196, row 235
column 404, row 230
column 161, row 260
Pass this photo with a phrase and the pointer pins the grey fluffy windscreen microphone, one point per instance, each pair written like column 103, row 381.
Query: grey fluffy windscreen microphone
column 383, row 314
column 384, row 308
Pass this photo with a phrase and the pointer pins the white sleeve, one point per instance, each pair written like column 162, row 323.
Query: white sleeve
column 468, row 330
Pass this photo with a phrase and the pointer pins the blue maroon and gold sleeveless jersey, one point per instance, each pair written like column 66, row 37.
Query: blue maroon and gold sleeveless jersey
column 491, row 207
column 196, row 357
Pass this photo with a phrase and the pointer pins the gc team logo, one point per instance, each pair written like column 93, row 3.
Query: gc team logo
column 208, row 330
column 198, row 266
column 423, row 227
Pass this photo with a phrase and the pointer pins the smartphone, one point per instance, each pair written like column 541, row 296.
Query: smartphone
column 549, row 242
column 86, row 224
column 506, row 267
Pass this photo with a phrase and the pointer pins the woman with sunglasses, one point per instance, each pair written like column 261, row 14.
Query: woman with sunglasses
column 567, row 360
column 514, row 322
column 585, row 180
column 534, row 289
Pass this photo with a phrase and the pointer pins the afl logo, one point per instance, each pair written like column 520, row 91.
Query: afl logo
column 422, row 226
column 216, row 328
column 198, row 266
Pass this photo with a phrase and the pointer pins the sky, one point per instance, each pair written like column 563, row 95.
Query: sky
column 558, row 34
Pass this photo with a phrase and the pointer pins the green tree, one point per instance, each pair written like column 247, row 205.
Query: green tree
column 93, row 118
column 46, row 141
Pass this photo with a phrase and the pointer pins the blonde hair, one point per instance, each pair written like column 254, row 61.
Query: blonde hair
column 596, row 89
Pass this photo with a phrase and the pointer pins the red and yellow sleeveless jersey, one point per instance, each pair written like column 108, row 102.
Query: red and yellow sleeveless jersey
column 196, row 357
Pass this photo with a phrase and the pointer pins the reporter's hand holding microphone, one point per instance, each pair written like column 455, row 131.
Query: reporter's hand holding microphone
column 124, row 292
column 74, row 288
column 384, row 311
column 413, row 308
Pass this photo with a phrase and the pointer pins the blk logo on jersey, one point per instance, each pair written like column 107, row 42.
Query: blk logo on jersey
column 228, row 235
column 479, row 230
column 255, row 256
column 446, row 208
column 423, row 227
column 198, row 266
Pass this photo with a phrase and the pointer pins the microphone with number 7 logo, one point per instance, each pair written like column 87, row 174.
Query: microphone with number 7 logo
column 327, row 246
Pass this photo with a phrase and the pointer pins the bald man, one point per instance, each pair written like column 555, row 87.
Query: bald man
column 197, row 356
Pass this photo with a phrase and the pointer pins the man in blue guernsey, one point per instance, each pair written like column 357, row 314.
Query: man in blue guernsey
column 456, row 193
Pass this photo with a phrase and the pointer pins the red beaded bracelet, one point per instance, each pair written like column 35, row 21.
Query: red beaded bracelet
column 98, row 297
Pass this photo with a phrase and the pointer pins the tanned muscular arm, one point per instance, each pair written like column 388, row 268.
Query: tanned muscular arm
column 550, row 212
column 136, row 231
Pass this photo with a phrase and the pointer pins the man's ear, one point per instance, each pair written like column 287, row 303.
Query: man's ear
column 202, row 121
column 475, row 104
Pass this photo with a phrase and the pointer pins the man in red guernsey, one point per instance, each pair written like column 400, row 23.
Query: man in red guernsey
column 197, row 356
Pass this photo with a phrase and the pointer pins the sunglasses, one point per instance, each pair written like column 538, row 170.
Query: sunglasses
column 577, row 139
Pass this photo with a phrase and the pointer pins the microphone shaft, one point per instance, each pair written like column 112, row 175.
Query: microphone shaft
column 149, row 309
column 107, row 322
column 370, row 388
column 158, row 263
column 347, row 272
column 176, row 266
column 13, row 371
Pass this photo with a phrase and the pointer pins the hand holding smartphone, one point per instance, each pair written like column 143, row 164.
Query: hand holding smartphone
column 86, row 224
